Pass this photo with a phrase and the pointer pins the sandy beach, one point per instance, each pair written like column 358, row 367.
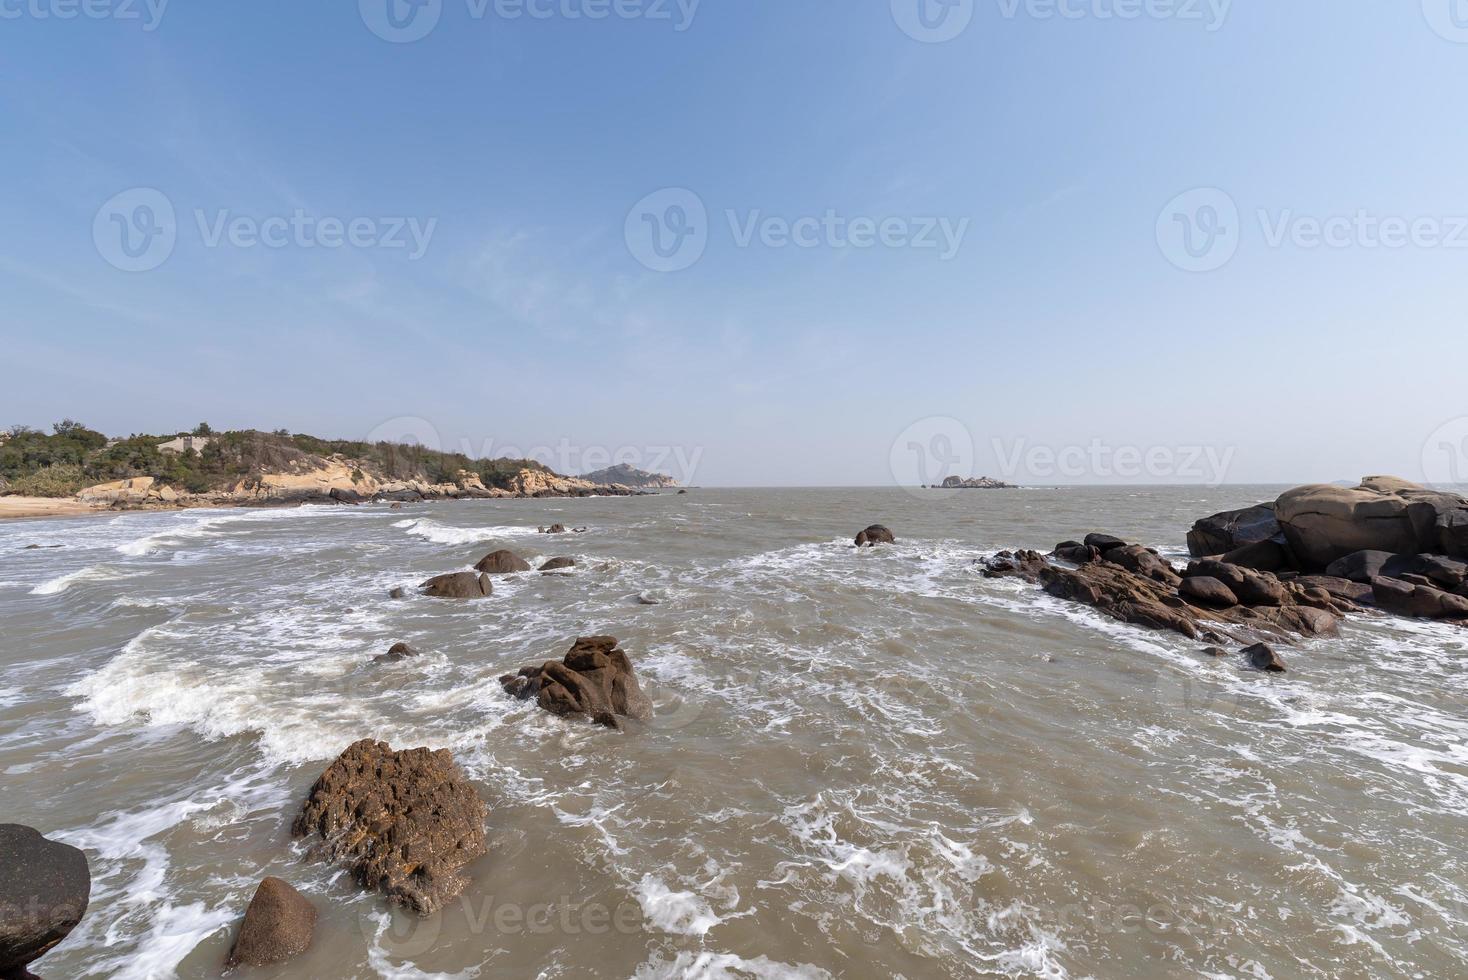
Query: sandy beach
column 15, row 507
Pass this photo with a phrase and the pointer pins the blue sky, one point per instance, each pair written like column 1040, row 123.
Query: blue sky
column 518, row 147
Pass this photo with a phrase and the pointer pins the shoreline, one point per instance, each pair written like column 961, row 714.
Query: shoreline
column 24, row 508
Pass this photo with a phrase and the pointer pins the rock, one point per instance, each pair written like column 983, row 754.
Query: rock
column 1263, row 556
column 682, row 493
column 1359, row 566
column 44, row 890
column 1324, row 523
column 396, row 506
column 278, row 926
column 405, row 823
column 1444, row 573
column 398, row 593
column 344, row 496
column 1103, row 542
column 1208, row 592
column 556, row 564
column 1076, row 554
column 1419, row 601
column 976, row 483
column 1135, row 558
column 595, row 680
column 458, row 585
column 1009, row 564
column 1338, row 588
column 502, row 563
column 1252, row 588
column 1233, row 529
column 1119, row 593
column 1261, row 656
column 873, row 536
column 554, row 529
column 398, row 653
column 1215, row 652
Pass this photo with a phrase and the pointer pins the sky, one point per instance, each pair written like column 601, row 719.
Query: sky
column 805, row 242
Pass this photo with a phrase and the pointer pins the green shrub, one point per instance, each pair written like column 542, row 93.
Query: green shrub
column 55, row 480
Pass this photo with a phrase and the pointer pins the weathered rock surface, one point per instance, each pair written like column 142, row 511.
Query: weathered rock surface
column 458, row 585
column 1359, row 566
column 405, row 823
column 1324, row 523
column 558, row 564
column 502, row 563
column 278, row 925
column 1233, row 529
column 1262, row 656
column 873, row 536
column 1417, row 600
column 1208, row 592
column 594, row 680
column 44, row 890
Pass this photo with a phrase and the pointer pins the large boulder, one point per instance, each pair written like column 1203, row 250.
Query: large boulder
column 1262, row 656
column 558, row 564
column 1359, row 566
column 1445, row 573
column 1324, row 523
column 458, row 585
column 873, row 536
column 1417, row 600
column 1252, row 588
column 594, row 680
column 502, row 563
column 1208, row 592
column 1135, row 558
column 44, row 889
column 278, row 925
column 405, row 823
column 1232, row 529
column 396, row 654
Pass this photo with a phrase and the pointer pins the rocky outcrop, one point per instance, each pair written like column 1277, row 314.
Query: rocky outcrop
column 628, row 476
column 44, row 889
column 138, row 492
column 1233, row 529
column 595, row 680
column 458, row 585
column 1420, row 599
column 976, row 483
column 502, row 563
column 278, row 925
column 873, row 536
column 405, row 823
column 1325, row 523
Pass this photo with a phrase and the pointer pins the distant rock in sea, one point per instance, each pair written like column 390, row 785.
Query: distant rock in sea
column 976, row 483
column 623, row 475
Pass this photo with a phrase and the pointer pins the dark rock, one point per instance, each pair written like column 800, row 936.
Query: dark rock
column 1103, row 542
column 1231, row 530
column 278, row 926
column 1443, row 573
column 1208, row 592
column 502, row 563
column 1077, row 554
column 1261, row 656
column 875, row 535
column 1143, row 561
column 1252, row 588
column 1009, row 564
column 344, row 496
column 1263, row 556
column 594, row 680
column 405, row 823
column 556, row 564
column 1359, row 566
column 1215, row 652
column 458, row 585
column 1419, row 601
column 682, row 493
column 44, row 889
column 554, row 529
column 398, row 653
column 398, row 593
column 1339, row 588
column 396, row 507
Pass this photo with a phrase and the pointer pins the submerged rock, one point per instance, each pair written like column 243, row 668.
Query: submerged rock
column 554, row 529
column 278, row 925
column 398, row 653
column 405, row 823
column 44, row 890
column 502, row 563
column 558, row 564
column 873, row 536
column 1261, row 656
column 458, row 585
column 594, row 680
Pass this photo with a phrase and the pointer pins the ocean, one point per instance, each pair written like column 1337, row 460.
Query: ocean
column 864, row 764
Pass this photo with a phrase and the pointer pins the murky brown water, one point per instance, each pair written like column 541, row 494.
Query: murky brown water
column 866, row 764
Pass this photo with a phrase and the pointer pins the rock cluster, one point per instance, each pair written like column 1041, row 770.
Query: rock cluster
column 405, row 823
column 595, row 680
column 44, row 889
column 976, row 483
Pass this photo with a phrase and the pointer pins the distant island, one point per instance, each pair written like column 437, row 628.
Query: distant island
column 976, row 483
column 80, row 469
column 629, row 476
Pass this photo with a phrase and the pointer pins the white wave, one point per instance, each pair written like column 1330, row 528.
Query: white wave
column 678, row 912
column 93, row 573
column 379, row 957
column 437, row 533
column 725, row 966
